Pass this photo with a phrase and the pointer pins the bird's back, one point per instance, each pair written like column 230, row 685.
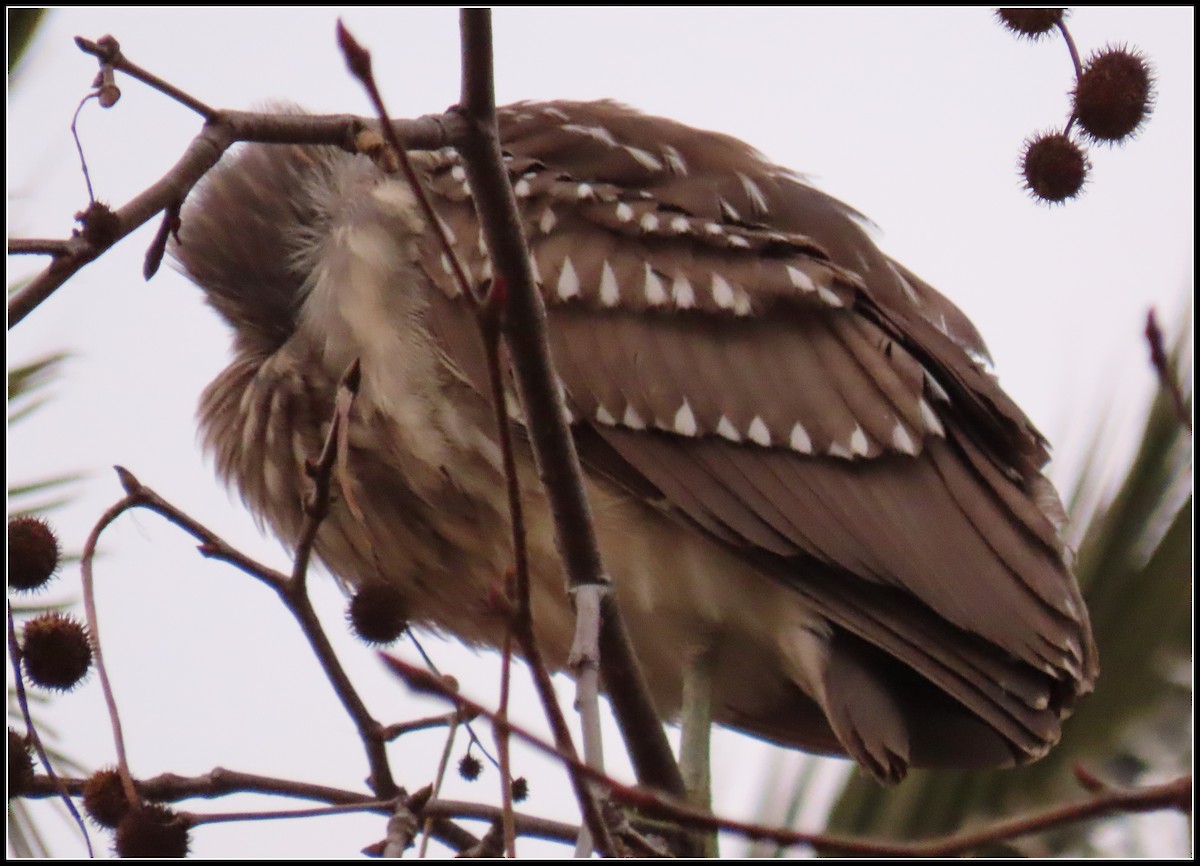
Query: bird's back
column 796, row 455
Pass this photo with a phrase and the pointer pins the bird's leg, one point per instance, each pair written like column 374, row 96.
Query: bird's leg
column 695, row 736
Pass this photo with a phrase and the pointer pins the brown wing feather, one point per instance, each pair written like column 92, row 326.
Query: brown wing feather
column 730, row 338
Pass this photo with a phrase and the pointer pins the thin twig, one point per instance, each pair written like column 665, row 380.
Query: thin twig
column 212, row 545
column 1171, row 795
column 584, row 663
column 93, row 621
column 401, row 827
column 502, row 751
column 438, row 778
column 225, row 129
column 1061, row 24
column 464, row 718
column 218, row 782
column 520, row 624
column 108, row 51
column 527, row 825
column 316, row 504
column 358, row 59
column 549, row 433
column 83, row 166
column 1176, row 794
column 300, row 606
column 196, row 818
column 392, row 732
column 480, row 150
column 38, row 247
column 221, row 782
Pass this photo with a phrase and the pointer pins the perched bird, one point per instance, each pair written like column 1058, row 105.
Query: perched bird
column 795, row 453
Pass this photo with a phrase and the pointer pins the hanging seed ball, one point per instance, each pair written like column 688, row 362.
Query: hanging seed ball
column 56, row 651
column 1114, row 95
column 33, row 553
column 469, row 767
column 1054, row 167
column 378, row 613
column 104, row 798
column 1030, row 23
column 20, row 765
column 152, row 831
column 520, row 789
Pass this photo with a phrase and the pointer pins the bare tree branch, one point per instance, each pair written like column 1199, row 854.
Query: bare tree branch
column 222, row 129
column 37, row 247
column 292, row 593
column 107, row 50
column 1175, row 795
column 554, row 451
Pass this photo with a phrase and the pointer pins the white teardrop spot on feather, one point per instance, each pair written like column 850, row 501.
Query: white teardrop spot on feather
column 726, row 429
column 682, row 292
column 675, row 161
column 801, row 280
column 902, row 441
column 656, row 292
column 829, row 297
column 840, row 451
column 800, row 440
column 568, row 281
column 610, row 290
column 930, row 419
column 722, row 291
column 858, row 442
column 935, row 388
column 685, row 420
column 758, row 432
column 645, row 157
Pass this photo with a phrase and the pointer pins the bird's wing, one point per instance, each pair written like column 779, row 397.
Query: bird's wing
column 731, row 339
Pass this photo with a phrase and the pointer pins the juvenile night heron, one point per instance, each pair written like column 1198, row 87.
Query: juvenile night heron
column 796, row 458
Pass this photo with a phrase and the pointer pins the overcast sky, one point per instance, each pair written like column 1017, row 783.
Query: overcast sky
column 914, row 117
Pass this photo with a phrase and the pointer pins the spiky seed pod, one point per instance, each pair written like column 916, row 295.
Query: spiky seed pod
column 152, row 831
column 99, row 224
column 1054, row 167
column 104, row 798
column 469, row 767
column 33, row 553
column 378, row 613
column 1114, row 95
column 1030, row 23
column 520, row 789
column 20, row 765
column 56, row 651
